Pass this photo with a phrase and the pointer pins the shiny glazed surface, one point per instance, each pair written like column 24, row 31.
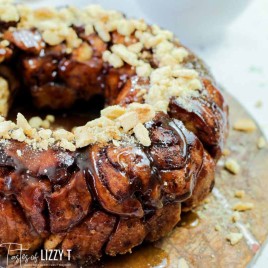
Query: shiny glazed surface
column 88, row 200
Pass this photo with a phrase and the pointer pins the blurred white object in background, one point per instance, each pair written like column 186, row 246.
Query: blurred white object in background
column 194, row 21
column 129, row 7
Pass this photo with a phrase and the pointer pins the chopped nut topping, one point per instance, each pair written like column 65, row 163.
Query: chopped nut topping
column 40, row 139
column 226, row 152
column 4, row 96
column 45, row 134
column 125, row 27
column 83, row 53
column 128, row 120
column 166, row 53
column 145, row 112
column 151, row 43
column 63, row 134
column 45, row 124
column 18, row 135
column 217, row 227
column 4, row 43
column 99, row 130
column 243, row 206
column 52, row 37
column 112, row 59
column 5, row 127
column 35, row 122
column 64, row 143
column 114, row 122
column 8, row 12
column 144, row 70
column 234, row 238
column 142, row 134
column 164, row 85
column 125, row 54
column 113, row 112
column 232, row 166
column 50, row 118
column 136, row 47
column 102, row 31
column 246, row 125
column 23, row 123
column 89, row 29
column 141, row 92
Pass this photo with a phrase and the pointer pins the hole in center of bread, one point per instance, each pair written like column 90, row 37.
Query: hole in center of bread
column 78, row 115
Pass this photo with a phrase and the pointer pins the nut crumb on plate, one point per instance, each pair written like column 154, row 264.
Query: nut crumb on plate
column 258, row 104
column 235, row 216
column 234, row 238
column 261, row 143
column 232, row 166
column 246, row 125
column 243, row 206
column 239, row 193
column 182, row 263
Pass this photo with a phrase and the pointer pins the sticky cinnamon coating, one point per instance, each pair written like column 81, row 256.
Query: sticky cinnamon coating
column 123, row 178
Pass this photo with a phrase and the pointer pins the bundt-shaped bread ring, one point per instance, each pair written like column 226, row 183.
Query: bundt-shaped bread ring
column 122, row 178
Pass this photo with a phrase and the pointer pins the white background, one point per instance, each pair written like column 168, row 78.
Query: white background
column 237, row 54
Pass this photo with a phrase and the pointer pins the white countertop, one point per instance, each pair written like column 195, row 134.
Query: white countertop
column 239, row 60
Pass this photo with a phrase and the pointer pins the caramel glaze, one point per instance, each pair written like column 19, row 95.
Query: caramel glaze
column 103, row 198
column 189, row 219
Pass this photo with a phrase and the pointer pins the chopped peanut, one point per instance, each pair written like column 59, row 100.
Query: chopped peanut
column 232, row 166
column 234, row 238
column 246, row 125
column 243, row 206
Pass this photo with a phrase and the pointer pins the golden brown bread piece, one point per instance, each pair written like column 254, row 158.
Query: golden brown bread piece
column 15, row 227
column 70, row 204
column 141, row 187
column 107, row 197
column 163, row 221
column 204, row 183
column 87, row 239
column 128, row 234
